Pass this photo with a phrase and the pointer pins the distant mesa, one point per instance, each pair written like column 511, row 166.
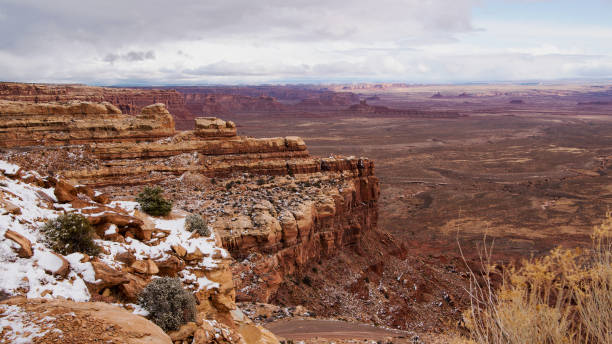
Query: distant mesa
column 364, row 108
column 330, row 99
column 599, row 102
column 374, row 97
column 437, row 95
column 517, row 101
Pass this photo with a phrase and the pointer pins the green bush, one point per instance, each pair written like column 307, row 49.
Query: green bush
column 195, row 223
column 153, row 203
column 168, row 304
column 69, row 233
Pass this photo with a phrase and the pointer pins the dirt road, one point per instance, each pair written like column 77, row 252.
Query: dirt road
column 330, row 329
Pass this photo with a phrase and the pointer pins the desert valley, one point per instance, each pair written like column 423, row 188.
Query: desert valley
column 334, row 212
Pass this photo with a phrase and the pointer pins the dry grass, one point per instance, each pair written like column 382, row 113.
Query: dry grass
column 564, row 297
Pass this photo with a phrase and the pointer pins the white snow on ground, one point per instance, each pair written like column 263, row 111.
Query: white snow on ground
column 129, row 206
column 27, row 275
column 8, row 168
column 19, row 327
column 48, row 261
column 177, row 235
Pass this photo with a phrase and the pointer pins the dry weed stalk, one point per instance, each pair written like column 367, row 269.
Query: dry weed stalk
column 564, row 297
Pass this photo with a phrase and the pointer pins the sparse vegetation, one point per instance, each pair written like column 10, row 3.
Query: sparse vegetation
column 153, row 203
column 564, row 297
column 168, row 304
column 69, row 233
column 196, row 223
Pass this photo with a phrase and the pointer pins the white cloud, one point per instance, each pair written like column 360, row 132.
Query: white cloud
column 245, row 41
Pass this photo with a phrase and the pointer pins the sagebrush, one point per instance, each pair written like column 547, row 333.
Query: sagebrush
column 152, row 201
column 196, row 223
column 69, row 233
column 168, row 304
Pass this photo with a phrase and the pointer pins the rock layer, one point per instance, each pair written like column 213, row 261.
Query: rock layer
column 33, row 124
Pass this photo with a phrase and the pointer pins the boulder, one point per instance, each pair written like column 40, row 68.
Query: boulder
column 195, row 255
column 52, row 263
column 170, row 266
column 185, row 331
column 64, row 269
column 126, row 257
column 101, row 197
column 9, row 207
column 132, row 289
column 64, row 191
column 108, row 276
column 179, row 250
column 25, row 246
column 85, row 190
column 117, row 219
column 147, row 267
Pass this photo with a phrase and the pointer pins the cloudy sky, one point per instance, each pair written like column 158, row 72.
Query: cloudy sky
column 113, row 42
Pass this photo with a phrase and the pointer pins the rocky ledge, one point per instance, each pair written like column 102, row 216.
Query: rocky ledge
column 32, row 124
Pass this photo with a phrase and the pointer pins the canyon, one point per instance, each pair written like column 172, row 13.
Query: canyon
column 275, row 208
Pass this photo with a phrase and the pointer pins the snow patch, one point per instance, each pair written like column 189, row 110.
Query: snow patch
column 8, row 168
column 48, row 261
column 18, row 328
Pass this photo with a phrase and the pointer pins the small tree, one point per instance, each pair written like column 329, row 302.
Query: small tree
column 195, row 223
column 69, row 233
column 168, row 304
column 153, row 203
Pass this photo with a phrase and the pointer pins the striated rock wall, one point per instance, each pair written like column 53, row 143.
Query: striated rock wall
column 32, row 124
column 308, row 232
column 128, row 100
column 221, row 104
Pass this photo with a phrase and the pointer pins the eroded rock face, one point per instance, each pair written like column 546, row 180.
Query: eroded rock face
column 34, row 124
column 127, row 100
column 274, row 207
column 286, row 232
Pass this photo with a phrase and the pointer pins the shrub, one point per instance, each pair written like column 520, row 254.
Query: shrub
column 564, row 297
column 195, row 223
column 168, row 304
column 70, row 233
column 153, row 203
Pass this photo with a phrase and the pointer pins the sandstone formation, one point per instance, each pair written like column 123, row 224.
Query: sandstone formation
column 33, row 124
column 128, row 100
column 288, row 206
